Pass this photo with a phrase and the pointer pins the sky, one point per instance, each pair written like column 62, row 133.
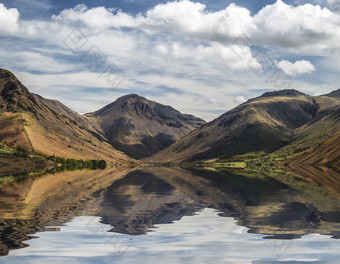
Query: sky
column 205, row 237
column 201, row 57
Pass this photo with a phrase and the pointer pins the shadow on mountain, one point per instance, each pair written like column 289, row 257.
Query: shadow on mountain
column 147, row 146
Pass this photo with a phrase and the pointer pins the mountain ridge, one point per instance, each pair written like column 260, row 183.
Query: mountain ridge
column 141, row 127
column 335, row 93
column 47, row 126
column 263, row 124
column 285, row 123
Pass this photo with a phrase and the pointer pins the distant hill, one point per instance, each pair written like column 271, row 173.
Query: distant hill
column 48, row 126
column 140, row 127
column 276, row 121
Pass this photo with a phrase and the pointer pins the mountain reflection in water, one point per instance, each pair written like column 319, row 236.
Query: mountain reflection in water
column 278, row 205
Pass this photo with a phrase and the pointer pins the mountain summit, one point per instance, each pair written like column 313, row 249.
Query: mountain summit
column 47, row 126
column 287, row 120
column 141, row 127
column 285, row 92
column 14, row 96
column 286, row 123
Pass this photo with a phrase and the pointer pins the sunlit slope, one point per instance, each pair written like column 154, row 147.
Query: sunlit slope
column 326, row 153
column 263, row 124
column 48, row 126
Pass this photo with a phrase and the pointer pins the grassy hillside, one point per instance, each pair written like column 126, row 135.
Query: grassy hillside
column 320, row 134
column 283, row 122
column 325, row 153
column 47, row 126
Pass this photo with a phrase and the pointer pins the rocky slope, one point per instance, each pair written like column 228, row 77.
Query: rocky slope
column 140, row 127
column 47, row 126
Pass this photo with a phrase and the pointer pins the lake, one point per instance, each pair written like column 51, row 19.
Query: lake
column 171, row 215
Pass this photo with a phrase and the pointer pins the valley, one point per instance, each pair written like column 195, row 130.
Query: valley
column 281, row 127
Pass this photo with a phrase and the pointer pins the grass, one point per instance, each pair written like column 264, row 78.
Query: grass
column 5, row 151
column 233, row 165
column 23, row 122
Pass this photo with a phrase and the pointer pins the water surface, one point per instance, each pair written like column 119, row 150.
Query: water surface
column 183, row 216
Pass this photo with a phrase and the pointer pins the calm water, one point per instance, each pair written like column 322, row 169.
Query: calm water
column 163, row 215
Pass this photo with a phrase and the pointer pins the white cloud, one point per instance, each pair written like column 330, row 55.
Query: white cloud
column 98, row 17
column 178, row 53
column 193, row 19
column 239, row 99
column 215, row 101
column 183, row 18
column 9, row 19
column 288, row 26
column 162, row 49
column 299, row 67
column 278, row 24
column 214, row 54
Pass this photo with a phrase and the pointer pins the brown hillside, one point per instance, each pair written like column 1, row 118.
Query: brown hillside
column 141, row 127
column 47, row 126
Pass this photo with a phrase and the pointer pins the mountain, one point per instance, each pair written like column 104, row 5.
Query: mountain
column 318, row 140
column 334, row 94
column 286, row 123
column 140, row 127
column 326, row 153
column 48, row 126
column 260, row 125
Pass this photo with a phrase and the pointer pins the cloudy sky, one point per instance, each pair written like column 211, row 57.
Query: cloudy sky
column 201, row 57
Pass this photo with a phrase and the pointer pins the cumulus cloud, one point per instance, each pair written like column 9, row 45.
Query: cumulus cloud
column 98, row 17
column 9, row 19
column 178, row 48
column 299, row 67
column 181, row 18
column 193, row 19
column 278, row 24
column 239, row 99
column 288, row 26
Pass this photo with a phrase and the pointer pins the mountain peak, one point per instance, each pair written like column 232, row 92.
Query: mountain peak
column 7, row 77
column 335, row 93
column 129, row 102
column 132, row 96
column 141, row 127
column 134, row 100
column 13, row 94
column 6, row 74
column 285, row 92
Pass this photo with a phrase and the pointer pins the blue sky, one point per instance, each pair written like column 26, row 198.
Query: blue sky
column 32, row 9
column 201, row 57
